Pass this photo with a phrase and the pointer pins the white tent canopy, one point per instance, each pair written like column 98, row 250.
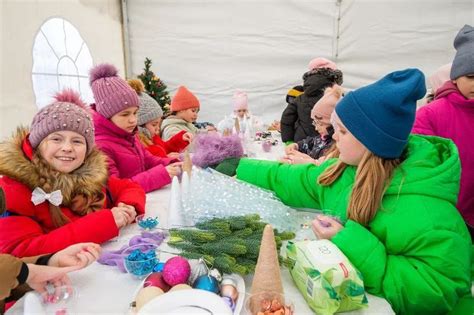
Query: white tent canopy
column 263, row 47
column 215, row 47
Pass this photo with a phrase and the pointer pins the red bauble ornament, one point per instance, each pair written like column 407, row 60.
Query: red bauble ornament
column 156, row 280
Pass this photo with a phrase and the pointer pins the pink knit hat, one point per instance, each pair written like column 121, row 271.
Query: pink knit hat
column 240, row 100
column 112, row 94
column 326, row 104
column 441, row 75
column 67, row 112
column 321, row 63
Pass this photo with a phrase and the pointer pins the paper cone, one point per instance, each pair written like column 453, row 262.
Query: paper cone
column 175, row 216
column 184, row 184
column 187, row 163
column 267, row 271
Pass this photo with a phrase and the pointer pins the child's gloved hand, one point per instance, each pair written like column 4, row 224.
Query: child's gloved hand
column 188, row 137
column 81, row 255
column 174, row 169
column 325, row 227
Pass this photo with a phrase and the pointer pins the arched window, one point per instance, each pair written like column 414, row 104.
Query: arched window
column 61, row 59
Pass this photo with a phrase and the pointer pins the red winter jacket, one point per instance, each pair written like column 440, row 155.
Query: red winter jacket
column 27, row 230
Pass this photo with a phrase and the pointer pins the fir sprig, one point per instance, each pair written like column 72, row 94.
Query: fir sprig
column 229, row 244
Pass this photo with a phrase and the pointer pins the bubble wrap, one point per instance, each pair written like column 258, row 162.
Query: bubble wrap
column 212, row 194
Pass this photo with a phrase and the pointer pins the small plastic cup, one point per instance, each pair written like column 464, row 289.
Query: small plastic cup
column 57, row 299
column 268, row 301
column 140, row 268
column 147, row 223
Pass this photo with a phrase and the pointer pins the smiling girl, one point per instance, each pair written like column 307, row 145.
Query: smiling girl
column 55, row 184
column 115, row 121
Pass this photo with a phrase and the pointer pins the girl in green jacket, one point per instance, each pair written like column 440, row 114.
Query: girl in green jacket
column 396, row 195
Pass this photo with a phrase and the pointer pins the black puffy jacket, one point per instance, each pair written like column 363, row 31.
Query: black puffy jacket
column 296, row 122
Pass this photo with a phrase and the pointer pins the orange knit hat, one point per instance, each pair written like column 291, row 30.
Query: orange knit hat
column 184, row 99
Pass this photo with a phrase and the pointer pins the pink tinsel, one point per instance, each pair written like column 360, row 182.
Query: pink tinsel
column 102, row 71
column 212, row 148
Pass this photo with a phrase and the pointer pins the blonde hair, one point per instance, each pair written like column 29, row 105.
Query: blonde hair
column 372, row 178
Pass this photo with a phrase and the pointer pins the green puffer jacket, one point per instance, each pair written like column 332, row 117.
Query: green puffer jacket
column 416, row 252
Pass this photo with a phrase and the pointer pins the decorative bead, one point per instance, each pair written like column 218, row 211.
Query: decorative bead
column 148, row 223
column 78, row 120
column 64, row 125
column 55, row 116
column 87, row 130
column 126, row 103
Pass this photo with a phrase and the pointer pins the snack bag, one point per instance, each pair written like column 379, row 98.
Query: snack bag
column 325, row 277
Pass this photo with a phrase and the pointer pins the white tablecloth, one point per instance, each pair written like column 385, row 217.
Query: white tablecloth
column 105, row 290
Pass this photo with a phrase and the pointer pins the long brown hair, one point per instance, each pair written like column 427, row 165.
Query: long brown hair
column 372, row 178
column 80, row 202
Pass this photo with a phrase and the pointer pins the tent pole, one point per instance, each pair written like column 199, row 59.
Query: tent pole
column 126, row 40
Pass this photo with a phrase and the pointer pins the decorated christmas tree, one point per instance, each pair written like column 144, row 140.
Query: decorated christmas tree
column 155, row 87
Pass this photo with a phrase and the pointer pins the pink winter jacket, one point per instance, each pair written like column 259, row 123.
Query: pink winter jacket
column 127, row 156
column 451, row 116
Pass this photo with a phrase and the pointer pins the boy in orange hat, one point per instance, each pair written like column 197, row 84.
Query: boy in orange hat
column 184, row 111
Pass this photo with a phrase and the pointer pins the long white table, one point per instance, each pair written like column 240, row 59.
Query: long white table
column 105, row 290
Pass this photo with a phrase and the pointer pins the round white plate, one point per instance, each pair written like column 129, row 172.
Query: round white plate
column 240, row 288
column 187, row 302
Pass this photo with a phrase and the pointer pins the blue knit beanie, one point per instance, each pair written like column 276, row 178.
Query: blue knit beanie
column 381, row 115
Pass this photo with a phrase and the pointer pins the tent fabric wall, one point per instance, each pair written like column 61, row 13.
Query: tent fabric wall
column 98, row 21
column 263, row 47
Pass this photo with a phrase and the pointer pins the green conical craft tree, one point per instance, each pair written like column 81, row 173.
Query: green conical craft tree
column 155, row 87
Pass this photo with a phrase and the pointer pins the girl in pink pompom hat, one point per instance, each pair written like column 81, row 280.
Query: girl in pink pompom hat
column 241, row 120
column 115, row 120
